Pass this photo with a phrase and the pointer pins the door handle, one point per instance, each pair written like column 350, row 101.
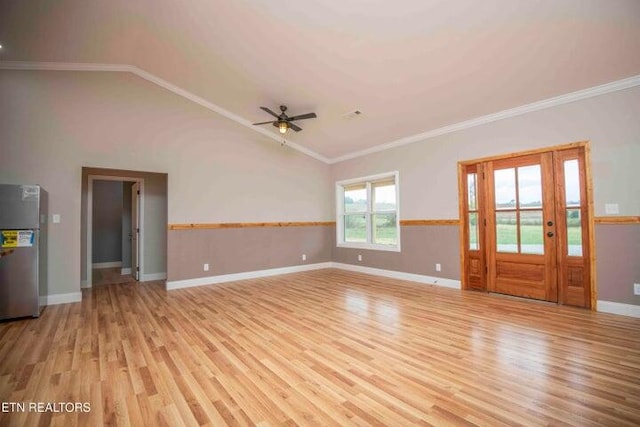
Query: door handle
column 550, row 234
column 549, row 223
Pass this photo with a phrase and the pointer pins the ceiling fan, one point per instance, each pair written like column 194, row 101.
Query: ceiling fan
column 283, row 122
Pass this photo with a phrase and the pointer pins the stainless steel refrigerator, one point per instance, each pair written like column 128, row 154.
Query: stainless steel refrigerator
column 23, row 250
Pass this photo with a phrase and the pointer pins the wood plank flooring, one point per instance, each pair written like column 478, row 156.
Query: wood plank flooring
column 326, row 347
column 108, row 276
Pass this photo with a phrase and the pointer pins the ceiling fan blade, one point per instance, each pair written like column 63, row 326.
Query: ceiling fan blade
column 264, row 123
column 294, row 127
column 269, row 111
column 303, row 116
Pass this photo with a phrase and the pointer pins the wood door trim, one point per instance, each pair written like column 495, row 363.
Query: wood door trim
column 593, row 292
column 462, row 235
column 586, row 147
column 568, row 146
column 617, row 220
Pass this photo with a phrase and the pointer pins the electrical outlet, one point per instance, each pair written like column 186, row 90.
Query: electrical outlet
column 359, row 257
column 206, row 267
column 304, row 257
column 611, row 208
column 438, row 267
column 55, row 218
column 636, row 288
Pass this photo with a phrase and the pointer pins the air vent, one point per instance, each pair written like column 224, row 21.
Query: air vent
column 352, row 114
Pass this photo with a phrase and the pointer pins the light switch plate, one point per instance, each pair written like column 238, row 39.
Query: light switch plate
column 611, row 208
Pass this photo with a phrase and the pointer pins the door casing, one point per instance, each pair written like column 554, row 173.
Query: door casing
column 135, row 230
column 474, row 265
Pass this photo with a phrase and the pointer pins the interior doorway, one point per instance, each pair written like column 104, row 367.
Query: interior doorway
column 527, row 225
column 132, row 241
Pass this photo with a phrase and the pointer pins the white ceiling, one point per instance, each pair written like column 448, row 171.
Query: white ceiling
column 410, row 66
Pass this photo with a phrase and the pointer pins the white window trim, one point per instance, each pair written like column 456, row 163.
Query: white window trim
column 340, row 212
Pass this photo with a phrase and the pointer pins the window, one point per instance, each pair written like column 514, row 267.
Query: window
column 367, row 212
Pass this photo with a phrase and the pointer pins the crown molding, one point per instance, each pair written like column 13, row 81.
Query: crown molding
column 64, row 66
column 79, row 66
column 478, row 121
column 512, row 112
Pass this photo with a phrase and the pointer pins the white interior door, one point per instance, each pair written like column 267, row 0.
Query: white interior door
column 135, row 230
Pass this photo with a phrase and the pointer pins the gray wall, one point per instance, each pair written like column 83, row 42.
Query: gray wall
column 423, row 246
column 107, row 222
column 236, row 250
column 618, row 262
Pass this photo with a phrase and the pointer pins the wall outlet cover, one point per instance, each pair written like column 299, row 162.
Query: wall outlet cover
column 611, row 209
column 206, row 267
column 304, row 257
column 636, row 288
column 359, row 257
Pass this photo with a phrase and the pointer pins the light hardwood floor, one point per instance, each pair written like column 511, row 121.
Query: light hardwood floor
column 108, row 276
column 325, row 347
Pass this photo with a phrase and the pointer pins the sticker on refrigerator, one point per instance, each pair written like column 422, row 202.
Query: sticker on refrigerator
column 16, row 238
column 30, row 192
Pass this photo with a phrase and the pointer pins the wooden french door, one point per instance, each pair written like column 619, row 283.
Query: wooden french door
column 521, row 227
column 525, row 229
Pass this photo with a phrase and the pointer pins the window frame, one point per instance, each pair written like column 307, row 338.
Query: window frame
column 368, row 181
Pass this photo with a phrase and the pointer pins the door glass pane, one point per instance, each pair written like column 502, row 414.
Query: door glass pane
column 571, row 183
column 473, row 231
column 355, row 199
column 384, row 229
column 384, row 196
column 355, row 228
column 531, row 232
column 505, row 188
column 574, row 232
column 506, row 236
column 472, row 191
column 529, row 187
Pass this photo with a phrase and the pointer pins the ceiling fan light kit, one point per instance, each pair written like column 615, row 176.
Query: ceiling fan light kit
column 284, row 122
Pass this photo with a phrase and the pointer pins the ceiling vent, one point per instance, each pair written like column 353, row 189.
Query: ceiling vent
column 352, row 114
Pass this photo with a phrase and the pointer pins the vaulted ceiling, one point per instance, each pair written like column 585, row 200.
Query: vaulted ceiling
column 410, row 66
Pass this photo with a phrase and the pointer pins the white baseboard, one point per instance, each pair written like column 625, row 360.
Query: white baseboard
column 619, row 308
column 125, row 271
column 153, row 276
column 438, row 281
column 112, row 264
column 211, row 280
column 62, row 298
column 420, row 278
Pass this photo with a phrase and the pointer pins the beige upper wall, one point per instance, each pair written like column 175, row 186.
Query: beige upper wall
column 428, row 169
column 54, row 123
